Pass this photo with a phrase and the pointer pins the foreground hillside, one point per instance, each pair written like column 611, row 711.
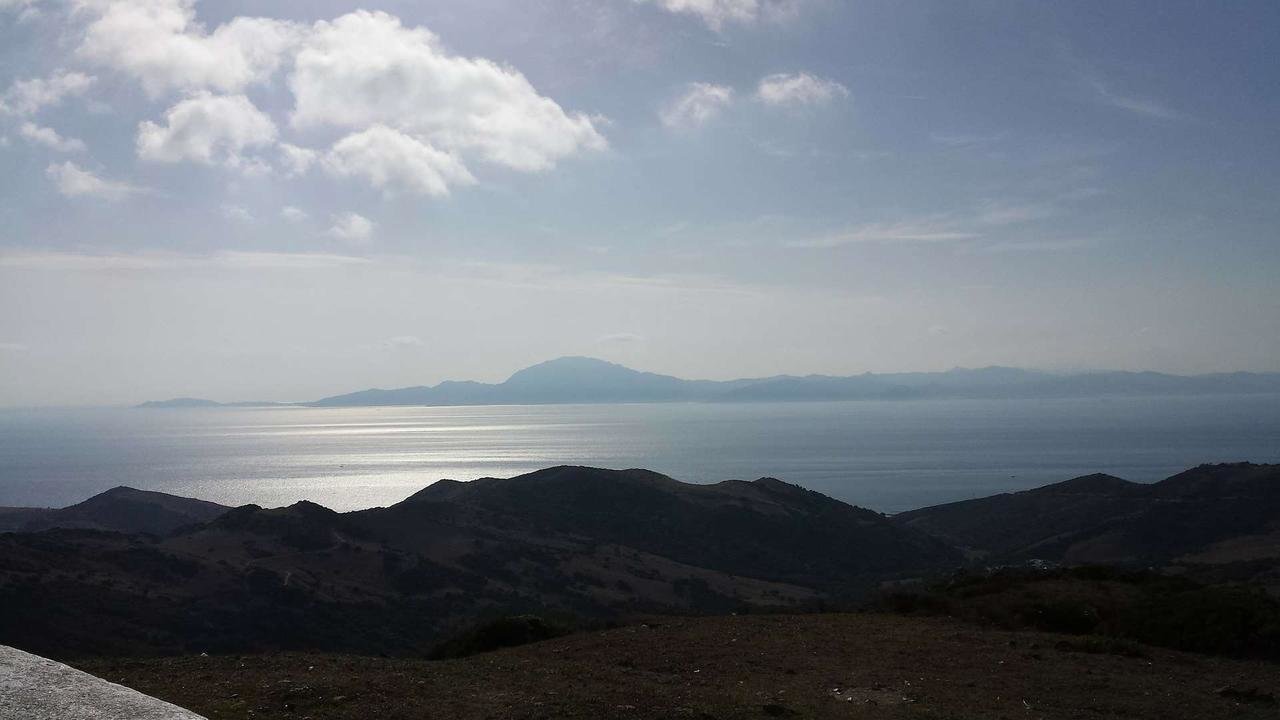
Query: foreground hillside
column 830, row 666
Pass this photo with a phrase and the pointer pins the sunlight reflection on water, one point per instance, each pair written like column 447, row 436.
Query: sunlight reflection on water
column 886, row 455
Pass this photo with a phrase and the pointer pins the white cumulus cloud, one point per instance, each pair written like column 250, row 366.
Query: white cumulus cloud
column 798, row 89
column 392, row 161
column 352, row 227
column 206, row 128
column 411, row 115
column 74, row 181
column 161, row 45
column 365, row 69
column 700, row 103
column 293, row 214
column 50, row 138
column 297, row 160
column 26, row 97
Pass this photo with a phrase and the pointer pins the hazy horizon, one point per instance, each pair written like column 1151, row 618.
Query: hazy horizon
column 283, row 201
column 340, row 389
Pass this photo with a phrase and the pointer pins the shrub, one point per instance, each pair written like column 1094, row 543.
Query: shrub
column 503, row 632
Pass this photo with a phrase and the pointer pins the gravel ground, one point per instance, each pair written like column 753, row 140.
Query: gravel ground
column 828, row 666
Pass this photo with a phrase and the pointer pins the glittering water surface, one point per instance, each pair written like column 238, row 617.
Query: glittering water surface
column 885, row 455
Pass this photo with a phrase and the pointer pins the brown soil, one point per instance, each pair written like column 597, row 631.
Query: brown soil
column 845, row 666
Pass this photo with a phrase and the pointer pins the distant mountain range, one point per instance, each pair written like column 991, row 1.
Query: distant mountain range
column 588, row 380
column 131, row 572
column 187, row 402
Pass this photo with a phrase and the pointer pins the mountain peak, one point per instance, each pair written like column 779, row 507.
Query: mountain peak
column 120, row 491
column 1095, row 484
column 569, row 367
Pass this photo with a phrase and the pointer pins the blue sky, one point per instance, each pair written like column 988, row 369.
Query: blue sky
column 280, row 200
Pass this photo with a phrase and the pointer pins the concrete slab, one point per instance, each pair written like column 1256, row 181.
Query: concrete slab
column 36, row 688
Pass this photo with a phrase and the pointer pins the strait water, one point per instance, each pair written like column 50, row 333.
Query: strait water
column 889, row 456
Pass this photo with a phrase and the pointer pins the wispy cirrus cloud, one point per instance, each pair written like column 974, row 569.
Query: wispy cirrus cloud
column 1136, row 104
column 963, row 140
column 1096, row 85
column 717, row 14
column 622, row 338
column 550, row 276
column 1038, row 245
column 939, row 228
column 921, row 230
column 154, row 261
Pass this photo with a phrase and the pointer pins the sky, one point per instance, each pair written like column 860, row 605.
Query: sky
column 287, row 199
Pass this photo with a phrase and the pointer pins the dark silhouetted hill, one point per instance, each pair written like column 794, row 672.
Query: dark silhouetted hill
column 121, row 509
column 764, row 529
column 1226, row 513
column 578, row 541
column 572, row 542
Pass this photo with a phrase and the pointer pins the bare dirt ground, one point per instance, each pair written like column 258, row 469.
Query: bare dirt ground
column 825, row 666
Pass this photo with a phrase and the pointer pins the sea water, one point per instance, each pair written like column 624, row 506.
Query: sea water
column 889, row 456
